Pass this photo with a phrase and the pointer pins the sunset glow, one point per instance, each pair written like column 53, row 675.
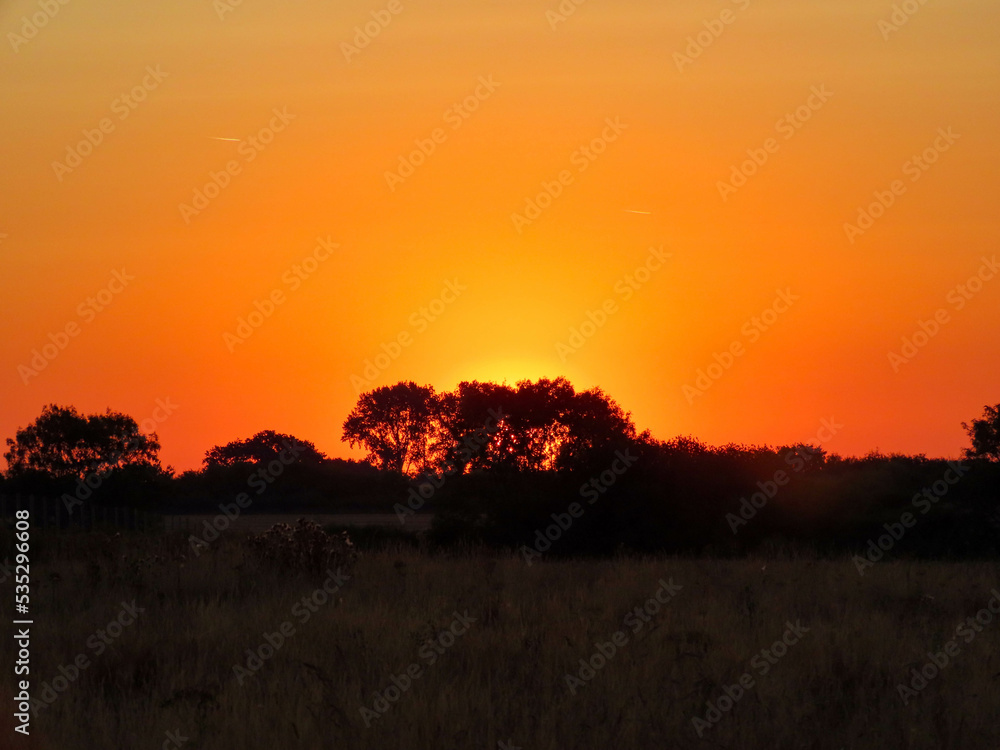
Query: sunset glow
column 254, row 212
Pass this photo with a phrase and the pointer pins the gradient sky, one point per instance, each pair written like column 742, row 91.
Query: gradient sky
column 64, row 233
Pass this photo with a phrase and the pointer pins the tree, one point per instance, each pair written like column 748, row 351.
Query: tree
column 546, row 425
column 985, row 435
column 538, row 426
column 263, row 447
column 468, row 434
column 395, row 424
column 596, row 427
column 65, row 444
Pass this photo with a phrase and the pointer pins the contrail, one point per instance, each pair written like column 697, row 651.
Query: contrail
column 217, row 138
column 631, row 211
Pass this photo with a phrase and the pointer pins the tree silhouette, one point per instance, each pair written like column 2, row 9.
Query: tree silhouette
column 396, row 425
column 263, row 447
column 63, row 443
column 546, row 425
column 985, row 435
column 468, row 434
column 536, row 426
column 596, row 427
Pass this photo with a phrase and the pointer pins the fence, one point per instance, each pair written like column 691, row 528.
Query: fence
column 52, row 513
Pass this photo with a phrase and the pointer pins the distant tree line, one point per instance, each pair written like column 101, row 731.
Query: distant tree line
column 541, row 468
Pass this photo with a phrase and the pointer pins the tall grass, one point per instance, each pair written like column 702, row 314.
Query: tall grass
column 504, row 679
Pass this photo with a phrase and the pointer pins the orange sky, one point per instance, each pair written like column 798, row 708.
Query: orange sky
column 540, row 95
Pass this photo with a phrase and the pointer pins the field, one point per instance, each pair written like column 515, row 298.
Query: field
column 255, row 523
column 136, row 640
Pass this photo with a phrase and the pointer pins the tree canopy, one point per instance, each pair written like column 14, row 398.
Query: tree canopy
column 394, row 423
column 985, row 434
column 500, row 464
column 263, row 447
column 544, row 425
column 65, row 444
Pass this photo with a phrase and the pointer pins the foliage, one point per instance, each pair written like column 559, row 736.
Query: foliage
column 835, row 687
column 262, row 448
column 65, row 444
column 535, row 426
column 305, row 548
column 985, row 434
column 393, row 423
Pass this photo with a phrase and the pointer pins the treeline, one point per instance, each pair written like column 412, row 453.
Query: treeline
column 544, row 469
column 105, row 460
column 682, row 496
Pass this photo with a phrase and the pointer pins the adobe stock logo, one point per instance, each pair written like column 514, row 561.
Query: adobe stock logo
column 938, row 661
column 714, row 28
column 363, row 36
column 636, row 620
column 455, row 116
column 901, row 14
column 122, row 106
column 753, row 329
column 797, row 459
column 249, row 148
column 87, row 311
column 420, row 321
column 914, row 168
column 86, row 486
column 626, row 287
column 958, row 297
column 294, row 277
column 563, row 11
column 787, row 127
column 38, row 20
column 581, row 158
column 430, row 651
column 762, row 662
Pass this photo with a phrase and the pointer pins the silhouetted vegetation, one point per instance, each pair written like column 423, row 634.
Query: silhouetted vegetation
column 207, row 620
column 64, row 444
column 94, row 457
column 544, row 470
column 263, row 447
column 985, row 434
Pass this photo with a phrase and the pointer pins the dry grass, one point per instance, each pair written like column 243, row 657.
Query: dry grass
column 504, row 680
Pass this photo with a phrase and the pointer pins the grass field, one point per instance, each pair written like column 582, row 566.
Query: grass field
column 255, row 523
column 473, row 651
